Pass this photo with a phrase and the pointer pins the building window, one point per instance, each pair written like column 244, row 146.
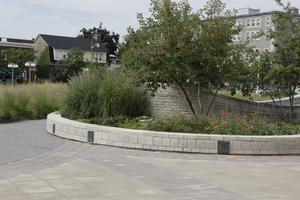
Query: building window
column 240, row 23
column 248, row 23
column 4, row 54
column 248, row 35
column 258, row 22
column 234, row 38
column 239, row 37
column 64, row 54
column 253, row 22
column 267, row 35
column 268, row 21
column 95, row 56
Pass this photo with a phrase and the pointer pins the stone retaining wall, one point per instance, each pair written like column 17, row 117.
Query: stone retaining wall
column 176, row 142
column 171, row 100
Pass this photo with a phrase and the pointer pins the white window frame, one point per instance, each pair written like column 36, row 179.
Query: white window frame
column 96, row 56
column 239, row 37
column 248, row 35
column 240, row 23
column 234, row 38
column 248, row 23
column 64, row 54
column 268, row 21
column 258, row 22
column 253, row 22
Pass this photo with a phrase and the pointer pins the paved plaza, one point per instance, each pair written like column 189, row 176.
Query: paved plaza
column 35, row 165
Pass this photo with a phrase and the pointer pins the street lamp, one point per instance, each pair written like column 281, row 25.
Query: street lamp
column 31, row 66
column 12, row 66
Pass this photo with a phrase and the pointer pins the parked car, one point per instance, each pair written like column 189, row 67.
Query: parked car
column 261, row 91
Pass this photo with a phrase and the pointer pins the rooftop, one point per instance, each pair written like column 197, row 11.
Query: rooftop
column 250, row 12
column 63, row 42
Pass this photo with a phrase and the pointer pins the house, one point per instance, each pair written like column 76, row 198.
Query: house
column 253, row 22
column 12, row 43
column 59, row 46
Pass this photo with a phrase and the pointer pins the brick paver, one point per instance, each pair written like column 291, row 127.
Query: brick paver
column 37, row 165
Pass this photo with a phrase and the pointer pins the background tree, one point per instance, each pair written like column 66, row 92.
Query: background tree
column 175, row 46
column 20, row 57
column 69, row 67
column 44, row 64
column 3, row 66
column 109, row 38
column 285, row 67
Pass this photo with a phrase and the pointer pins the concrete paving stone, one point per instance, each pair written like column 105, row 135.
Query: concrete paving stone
column 37, row 165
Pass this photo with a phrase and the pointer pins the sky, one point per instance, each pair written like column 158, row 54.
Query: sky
column 25, row 19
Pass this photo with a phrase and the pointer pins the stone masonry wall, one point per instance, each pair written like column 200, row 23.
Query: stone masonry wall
column 172, row 100
column 176, row 142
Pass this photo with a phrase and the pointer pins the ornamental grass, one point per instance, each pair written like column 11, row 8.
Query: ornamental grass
column 29, row 101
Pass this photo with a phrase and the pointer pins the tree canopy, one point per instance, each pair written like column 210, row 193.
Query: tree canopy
column 109, row 38
column 282, row 67
column 176, row 46
column 44, row 64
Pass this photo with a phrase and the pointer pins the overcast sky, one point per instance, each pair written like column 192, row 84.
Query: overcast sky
column 27, row 18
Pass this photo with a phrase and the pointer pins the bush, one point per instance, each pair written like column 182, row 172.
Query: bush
column 225, row 123
column 101, row 94
column 33, row 101
column 180, row 123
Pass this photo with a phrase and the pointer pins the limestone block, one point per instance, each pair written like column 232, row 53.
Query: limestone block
column 157, row 141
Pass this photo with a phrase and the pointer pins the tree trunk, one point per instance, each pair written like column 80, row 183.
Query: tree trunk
column 199, row 100
column 276, row 106
column 212, row 101
column 187, row 98
column 291, row 98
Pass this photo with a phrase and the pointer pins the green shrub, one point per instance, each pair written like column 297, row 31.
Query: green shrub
column 226, row 123
column 180, row 123
column 32, row 101
column 104, row 95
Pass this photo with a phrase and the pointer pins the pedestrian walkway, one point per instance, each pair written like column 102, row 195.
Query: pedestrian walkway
column 35, row 165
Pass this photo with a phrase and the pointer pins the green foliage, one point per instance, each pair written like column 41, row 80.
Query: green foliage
column 180, row 123
column 44, row 64
column 225, row 123
column 178, row 46
column 282, row 67
column 17, row 56
column 20, row 56
column 102, row 94
column 29, row 101
column 141, row 123
column 109, row 38
column 69, row 67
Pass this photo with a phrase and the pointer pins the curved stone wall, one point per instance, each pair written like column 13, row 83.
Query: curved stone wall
column 171, row 100
column 177, row 142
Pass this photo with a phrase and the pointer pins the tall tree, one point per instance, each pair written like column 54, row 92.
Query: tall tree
column 44, row 64
column 20, row 56
column 285, row 70
column 109, row 38
column 176, row 46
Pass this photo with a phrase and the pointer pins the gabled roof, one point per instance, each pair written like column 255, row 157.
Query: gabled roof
column 62, row 42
